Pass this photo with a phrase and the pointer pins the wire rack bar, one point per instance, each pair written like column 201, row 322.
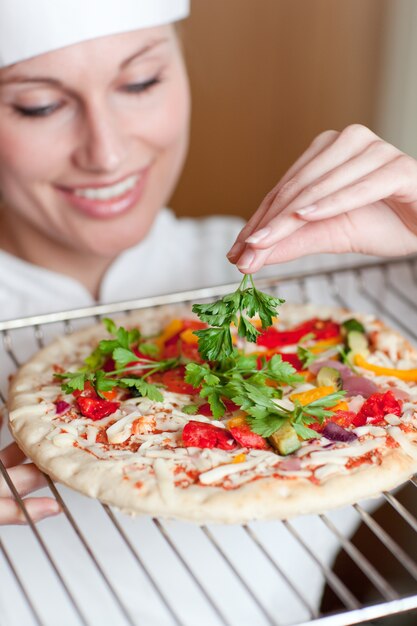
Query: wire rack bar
column 389, row 543
column 338, row 586
column 366, row 613
column 401, row 510
column 8, row 346
column 178, row 554
column 28, row 601
column 288, row 581
column 385, row 589
column 42, row 544
column 140, row 562
column 381, row 307
column 400, row 295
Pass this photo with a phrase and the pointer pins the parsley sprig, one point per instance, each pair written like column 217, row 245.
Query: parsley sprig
column 215, row 343
column 239, row 379
column 127, row 365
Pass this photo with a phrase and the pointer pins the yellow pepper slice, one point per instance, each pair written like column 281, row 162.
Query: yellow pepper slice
column 385, row 371
column 324, row 344
column 312, row 394
column 188, row 336
column 239, row 458
column 173, row 328
column 237, row 420
column 341, row 406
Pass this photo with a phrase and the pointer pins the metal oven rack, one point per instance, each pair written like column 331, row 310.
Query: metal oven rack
column 63, row 570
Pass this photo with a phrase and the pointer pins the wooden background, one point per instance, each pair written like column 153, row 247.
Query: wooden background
column 267, row 76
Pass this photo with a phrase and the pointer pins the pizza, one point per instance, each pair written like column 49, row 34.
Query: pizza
column 318, row 412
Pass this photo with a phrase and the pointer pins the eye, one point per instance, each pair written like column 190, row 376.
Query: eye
column 141, row 87
column 37, row 111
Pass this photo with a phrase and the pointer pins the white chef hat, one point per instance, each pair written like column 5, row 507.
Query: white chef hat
column 32, row 27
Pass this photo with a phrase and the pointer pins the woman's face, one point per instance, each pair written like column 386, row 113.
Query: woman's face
column 92, row 140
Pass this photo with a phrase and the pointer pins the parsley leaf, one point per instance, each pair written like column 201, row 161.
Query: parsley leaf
column 306, row 356
column 143, row 388
column 215, row 343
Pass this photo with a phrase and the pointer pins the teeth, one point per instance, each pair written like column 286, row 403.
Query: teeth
column 106, row 193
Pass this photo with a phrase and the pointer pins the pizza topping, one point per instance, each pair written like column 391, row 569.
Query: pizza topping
column 410, row 374
column 376, row 407
column 359, row 386
column 319, row 329
column 247, row 438
column 334, row 432
column 202, row 435
column 329, row 376
column 285, row 439
column 95, row 408
column 61, row 407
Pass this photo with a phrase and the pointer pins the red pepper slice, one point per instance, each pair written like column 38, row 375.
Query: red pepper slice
column 248, row 439
column 202, row 435
column 205, row 409
column 174, row 381
column 95, row 408
column 321, row 329
column 376, row 407
column 343, row 418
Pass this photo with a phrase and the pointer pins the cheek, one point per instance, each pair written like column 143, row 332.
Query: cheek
column 165, row 125
column 26, row 154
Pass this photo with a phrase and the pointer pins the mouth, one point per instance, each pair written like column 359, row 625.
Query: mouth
column 107, row 200
column 107, row 192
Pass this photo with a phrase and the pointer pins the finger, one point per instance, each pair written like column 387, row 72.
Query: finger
column 26, row 478
column 382, row 183
column 351, row 141
column 375, row 156
column 347, row 232
column 391, row 181
column 317, row 145
column 38, row 508
column 332, row 191
column 11, row 455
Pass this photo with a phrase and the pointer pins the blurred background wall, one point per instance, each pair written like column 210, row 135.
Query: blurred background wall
column 269, row 75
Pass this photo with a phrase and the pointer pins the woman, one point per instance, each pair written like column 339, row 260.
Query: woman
column 93, row 134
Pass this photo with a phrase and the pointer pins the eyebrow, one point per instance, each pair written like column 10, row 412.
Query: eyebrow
column 57, row 83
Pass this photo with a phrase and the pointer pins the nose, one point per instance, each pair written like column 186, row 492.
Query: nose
column 102, row 147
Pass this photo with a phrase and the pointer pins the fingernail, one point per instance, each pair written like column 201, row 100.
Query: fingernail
column 307, row 210
column 236, row 249
column 246, row 259
column 259, row 235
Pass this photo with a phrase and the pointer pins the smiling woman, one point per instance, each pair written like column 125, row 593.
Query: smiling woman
column 103, row 143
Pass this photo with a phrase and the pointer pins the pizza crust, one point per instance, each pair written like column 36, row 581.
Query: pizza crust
column 263, row 498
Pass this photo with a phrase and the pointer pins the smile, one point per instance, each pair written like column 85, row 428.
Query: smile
column 107, row 201
column 108, row 192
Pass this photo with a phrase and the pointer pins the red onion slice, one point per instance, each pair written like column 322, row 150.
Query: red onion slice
column 359, row 386
column 334, row 432
column 344, row 370
column 61, row 407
